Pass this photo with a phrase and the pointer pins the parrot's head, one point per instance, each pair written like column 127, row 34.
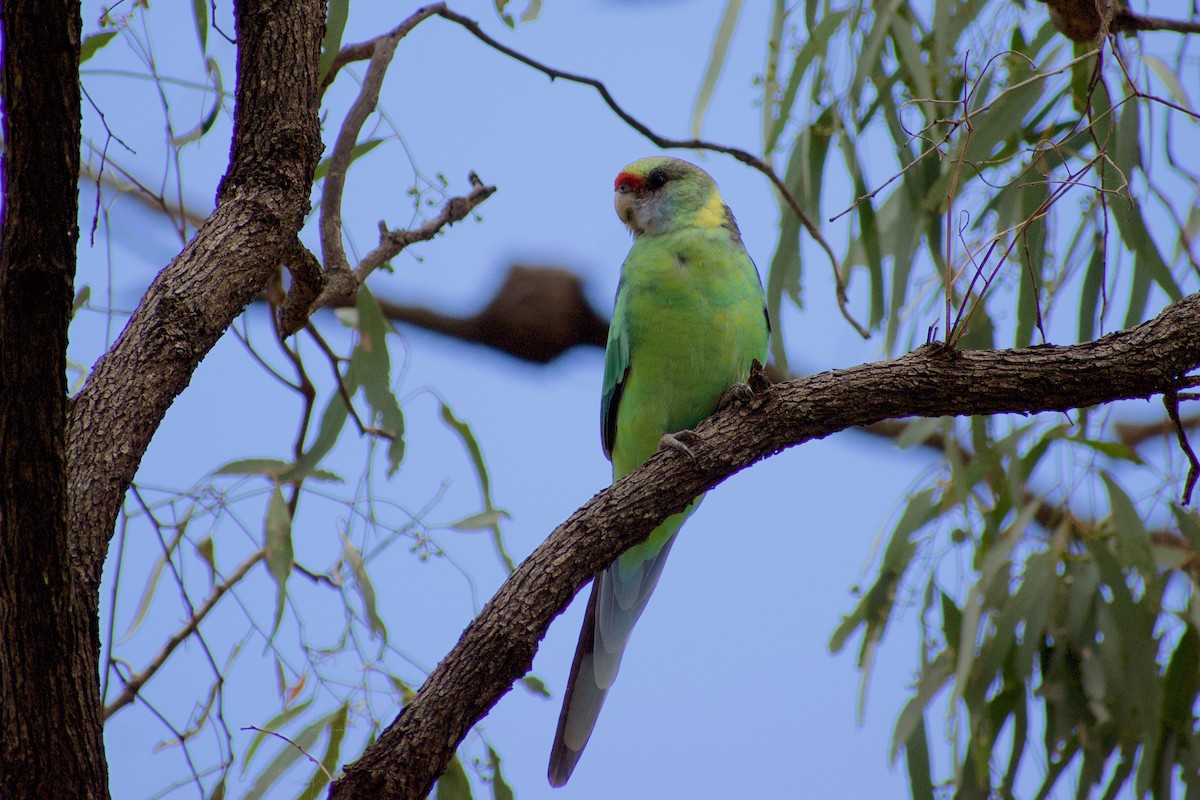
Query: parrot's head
column 659, row 194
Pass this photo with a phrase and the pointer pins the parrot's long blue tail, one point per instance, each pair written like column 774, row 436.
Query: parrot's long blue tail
column 617, row 600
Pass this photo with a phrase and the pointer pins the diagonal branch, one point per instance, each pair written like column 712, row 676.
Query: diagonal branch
column 497, row 648
column 261, row 204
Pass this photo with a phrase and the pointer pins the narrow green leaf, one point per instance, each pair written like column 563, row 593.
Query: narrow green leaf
column 373, row 366
column 1139, row 293
column 1089, row 293
column 93, row 42
column 716, row 62
column 332, row 756
column 277, row 537
column 156, row 572
column 996, row 565
column 917, row 760
column 1169, row 79
column 531, row 12
column 206, row 550
column 1189, row 526
column 1132, row 539
column 500, row 788
column 1126, row 150
column 481, row 475
column 360, row 149
column 770, row 81
column 200, row 17
column 335, row 26
column 1115, row 450
column 269, row 467
column 364, row 587
column 209, row 119
column 869, row 55
column 783, row 277
column 1001, row 121
column 482, row 521
column 874, row 610
column 815, row 47
column 453, row 785
column 333, row 420
column 911, row 722
column 81, row 298
column 905, row 35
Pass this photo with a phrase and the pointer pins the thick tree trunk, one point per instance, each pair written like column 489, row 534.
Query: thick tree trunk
column 51, row 741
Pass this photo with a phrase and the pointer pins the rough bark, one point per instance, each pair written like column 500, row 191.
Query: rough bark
column 497, row 648
column 50, row 733
column 261, row 205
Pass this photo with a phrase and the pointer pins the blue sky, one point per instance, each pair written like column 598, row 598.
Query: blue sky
column 728, row 688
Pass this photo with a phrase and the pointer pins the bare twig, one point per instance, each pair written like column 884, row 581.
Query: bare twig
column 303, row 752
column 1171, row 401
column 664, row 142
column 136, row 681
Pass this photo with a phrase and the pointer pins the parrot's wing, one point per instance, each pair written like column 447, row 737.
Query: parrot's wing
column 616, row 369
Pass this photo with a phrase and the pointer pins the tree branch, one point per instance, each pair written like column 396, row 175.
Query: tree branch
column 536, row 315
column 382, row 49
column 497, row 648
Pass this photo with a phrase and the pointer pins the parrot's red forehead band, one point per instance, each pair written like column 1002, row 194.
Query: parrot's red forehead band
column 632, row 181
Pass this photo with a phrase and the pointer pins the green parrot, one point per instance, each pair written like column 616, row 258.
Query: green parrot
column 689, row 321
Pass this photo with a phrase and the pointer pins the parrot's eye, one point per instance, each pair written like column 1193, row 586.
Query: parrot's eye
column 623, row 187
column 655, row 180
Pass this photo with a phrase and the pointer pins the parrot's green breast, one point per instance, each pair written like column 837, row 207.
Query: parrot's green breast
column 695, row 321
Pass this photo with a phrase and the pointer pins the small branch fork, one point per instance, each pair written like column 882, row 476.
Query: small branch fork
column 312, row 288
column 380, row 50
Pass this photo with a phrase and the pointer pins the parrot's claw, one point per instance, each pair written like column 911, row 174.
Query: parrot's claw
column 681, row 442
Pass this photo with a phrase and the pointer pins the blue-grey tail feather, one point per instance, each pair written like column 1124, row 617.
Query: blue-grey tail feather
column 581, row 702
column 614, row 606
column 622, row 599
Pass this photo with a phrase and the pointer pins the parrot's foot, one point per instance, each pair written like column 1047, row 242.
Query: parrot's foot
column 681, row 442
column 736, row 395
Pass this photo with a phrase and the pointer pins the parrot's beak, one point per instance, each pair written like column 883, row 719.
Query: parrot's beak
column 623, row 203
